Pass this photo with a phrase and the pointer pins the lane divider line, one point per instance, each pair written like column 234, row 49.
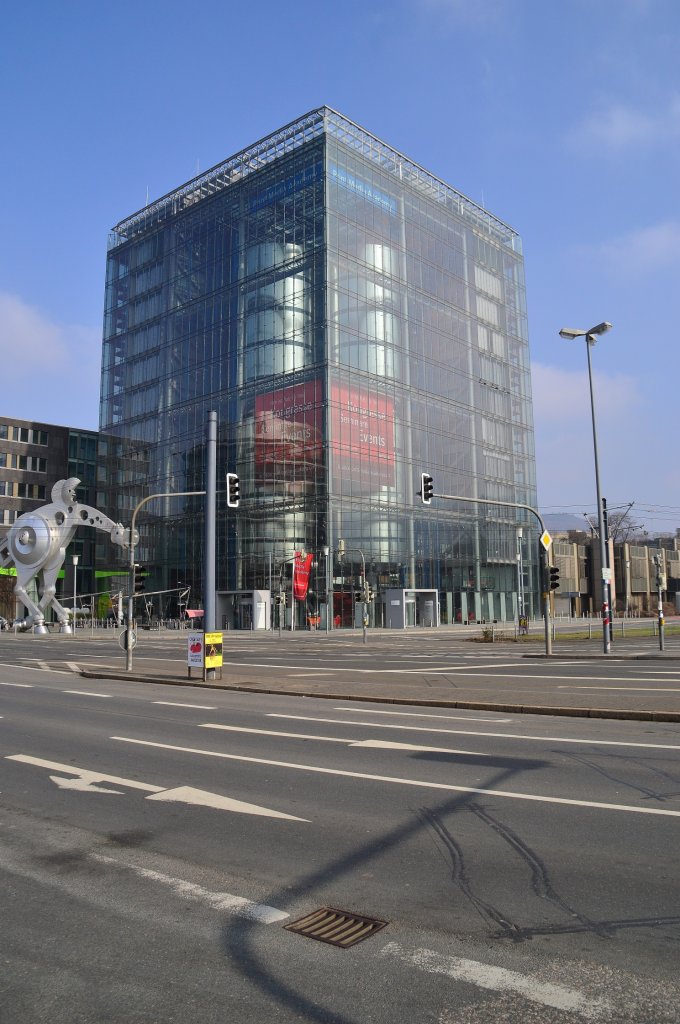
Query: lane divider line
column 473, row 732
column 447, row 787
column 499, row 979
column 238, row 905
column 375, row 744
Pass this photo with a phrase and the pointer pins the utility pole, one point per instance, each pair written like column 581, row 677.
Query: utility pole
column 660, row 586
column 427, row 493
column 364, row 590
column 209, row 610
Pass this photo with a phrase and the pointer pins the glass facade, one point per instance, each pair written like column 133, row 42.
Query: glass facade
column 354, row 322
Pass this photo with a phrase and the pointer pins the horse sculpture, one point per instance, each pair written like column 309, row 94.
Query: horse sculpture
column 36, row 546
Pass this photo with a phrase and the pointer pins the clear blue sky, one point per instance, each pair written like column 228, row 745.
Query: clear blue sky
column 562, row 118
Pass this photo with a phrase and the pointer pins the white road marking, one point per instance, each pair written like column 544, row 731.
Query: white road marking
column 174, row 704
column 626, row 689
column 74, row 668
column 87, row 693
column 32, row 668
column 82, row 785
column 305, row 675
column 660, row 671
column 86, row 782
column 419, row 714
column 498, row 979
column 85, row 774
column 378, row 744
column 201, row 798
column 23, row 686
column 493, row 735
column 533, row 797
column 216, row 900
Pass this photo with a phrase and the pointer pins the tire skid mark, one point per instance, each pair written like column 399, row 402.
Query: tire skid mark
column 540, row 879
column 647, row 765
column 460, row 878
column 645, row 791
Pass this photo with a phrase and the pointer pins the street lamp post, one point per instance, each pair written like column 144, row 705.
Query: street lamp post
column 520, row 574
column 325, row 550
column 75, row 571
column 591, row 337
column 134, row 537
column 364, row 585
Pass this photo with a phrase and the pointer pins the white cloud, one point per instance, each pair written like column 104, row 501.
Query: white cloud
column 50, row 371
column 562, row 397
column 616, row 126
column 643, row 251
column 564, row 437
column 28, row 341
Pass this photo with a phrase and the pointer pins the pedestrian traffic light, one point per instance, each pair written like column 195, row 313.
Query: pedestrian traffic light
column 359, row 595
column 140, row 582
column 554, row 577
column 233, row 490
column 426, row 491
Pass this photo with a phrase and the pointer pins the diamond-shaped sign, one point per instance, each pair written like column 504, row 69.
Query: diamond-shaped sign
column 546, row 540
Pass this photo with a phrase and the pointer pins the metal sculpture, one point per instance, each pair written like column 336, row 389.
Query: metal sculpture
column 36, row 546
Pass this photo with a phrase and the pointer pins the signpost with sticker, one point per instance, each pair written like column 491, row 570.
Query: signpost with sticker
column 204, row 651
column 213, row 651
column 195, row 652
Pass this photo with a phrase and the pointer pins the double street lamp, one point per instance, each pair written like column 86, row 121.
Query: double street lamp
column 591, row 336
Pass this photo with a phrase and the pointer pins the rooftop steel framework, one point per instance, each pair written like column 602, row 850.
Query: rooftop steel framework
column 286, row 140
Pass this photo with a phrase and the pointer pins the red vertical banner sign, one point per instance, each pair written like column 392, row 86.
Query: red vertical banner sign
column 301, row 569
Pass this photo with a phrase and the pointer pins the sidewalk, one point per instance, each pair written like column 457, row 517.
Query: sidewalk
column 650, row 694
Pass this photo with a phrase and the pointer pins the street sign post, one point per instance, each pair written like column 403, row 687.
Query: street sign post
column 127, row 637
column 195, row 652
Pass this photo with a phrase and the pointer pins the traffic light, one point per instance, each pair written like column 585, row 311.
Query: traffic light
column 554, row 577
column 140, row 578
column 426, row 491
column 233, row 490
column 359, row 594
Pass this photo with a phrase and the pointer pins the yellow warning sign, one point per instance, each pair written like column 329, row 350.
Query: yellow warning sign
column 213, row 650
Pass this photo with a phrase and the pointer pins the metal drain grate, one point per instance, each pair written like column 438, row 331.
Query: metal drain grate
column 338, row 927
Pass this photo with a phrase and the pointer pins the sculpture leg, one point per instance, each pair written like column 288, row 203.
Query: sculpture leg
column 47, row 598
column 36, row 615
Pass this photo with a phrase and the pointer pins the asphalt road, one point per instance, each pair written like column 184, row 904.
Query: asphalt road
column 422, row 665
column 155, row 842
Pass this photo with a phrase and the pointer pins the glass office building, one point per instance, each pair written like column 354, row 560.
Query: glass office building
column 354, row 321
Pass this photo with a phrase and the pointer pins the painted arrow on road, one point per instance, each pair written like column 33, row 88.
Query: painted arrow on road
column 83, row 785
column 86, row 782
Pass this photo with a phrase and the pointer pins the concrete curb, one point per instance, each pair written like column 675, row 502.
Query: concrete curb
column 628, row 714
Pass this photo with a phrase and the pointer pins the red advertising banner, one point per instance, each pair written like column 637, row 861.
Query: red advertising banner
column 301, row 569
column 289, row 432
column 362, row 425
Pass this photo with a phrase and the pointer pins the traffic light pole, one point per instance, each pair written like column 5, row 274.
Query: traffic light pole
column 134, row 537
column 660, row 588
column 364, row 584
column 542, row 559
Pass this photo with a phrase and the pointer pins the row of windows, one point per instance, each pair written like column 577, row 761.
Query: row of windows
column 29, row 463
column 12, row 489
column 26, row 435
